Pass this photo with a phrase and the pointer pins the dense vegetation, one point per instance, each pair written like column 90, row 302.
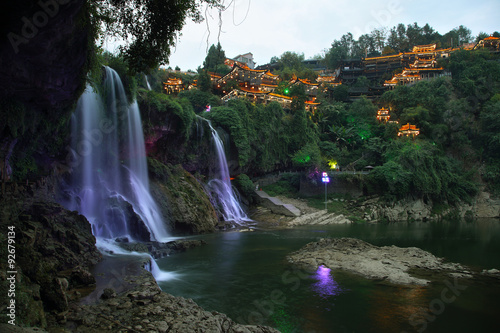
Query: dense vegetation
column 458, row 117
column 458, row 148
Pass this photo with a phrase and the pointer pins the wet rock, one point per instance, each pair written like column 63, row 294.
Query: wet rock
column 181, row 199
column 51, row 243
column 81, row 277
column 153, row 310
column 108, row 293
column 160, row 250
column 390, row 263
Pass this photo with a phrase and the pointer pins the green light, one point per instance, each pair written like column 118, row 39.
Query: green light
column 286, row 91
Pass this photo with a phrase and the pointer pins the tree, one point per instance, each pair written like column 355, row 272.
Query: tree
column 292, row 60
column 397, row 38
column 464, row 34
column 215, row 57
column 379, row 37
column 204, row 81
column 482, row 35
column 148, row 27
column 388, row 50
column 346, row 47
column 415, row 35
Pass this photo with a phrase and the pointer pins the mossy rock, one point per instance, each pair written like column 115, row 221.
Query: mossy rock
column 181, row 198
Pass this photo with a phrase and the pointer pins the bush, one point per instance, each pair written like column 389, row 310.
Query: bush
column 245, row 186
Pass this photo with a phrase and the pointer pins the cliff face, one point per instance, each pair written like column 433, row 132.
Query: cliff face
column 45, row 48
column 54, row 251
column 182, row 199
column 45, row 51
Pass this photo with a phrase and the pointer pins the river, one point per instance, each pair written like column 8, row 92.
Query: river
column 246, row 276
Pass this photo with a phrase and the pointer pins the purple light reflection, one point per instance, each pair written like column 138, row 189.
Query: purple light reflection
column 326, row 285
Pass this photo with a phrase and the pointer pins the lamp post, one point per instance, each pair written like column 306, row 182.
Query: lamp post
column 325, row 180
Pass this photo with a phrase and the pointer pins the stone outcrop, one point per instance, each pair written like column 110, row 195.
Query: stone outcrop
column 182, row 199
column 485, row 206
column 276, row 205
column 54, row 250
column 143, row 307
column 160, row 250
column 373, row 210
column 389, row 263
column 321, row 217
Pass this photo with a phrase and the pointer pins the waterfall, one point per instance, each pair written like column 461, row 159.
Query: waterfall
column 220, row 183
column 147, row 82
column 110, row 182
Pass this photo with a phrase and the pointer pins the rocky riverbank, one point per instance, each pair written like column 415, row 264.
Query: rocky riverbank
column 402, row 266
column 143, row 307
column 64, row 284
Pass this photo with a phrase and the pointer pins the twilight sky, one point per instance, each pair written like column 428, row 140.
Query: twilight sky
column 269, row 28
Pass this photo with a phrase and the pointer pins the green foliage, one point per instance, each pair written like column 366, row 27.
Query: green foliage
column 308, row 156
column 417, row 169
column 214, row 59
column 490, row 120
column 288, row 185
column 491, row 176
column 159, row 110
column 204, row 83
column 200, row 99
column 245, row 186
column 157, row 170
column 291, row 64
column 150, row 28
column 24, row 167
column 264, row 137
column 233, row 119
column 340, row 93
column 476, row 75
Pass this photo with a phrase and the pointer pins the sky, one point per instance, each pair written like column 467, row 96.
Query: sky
column 268, row 28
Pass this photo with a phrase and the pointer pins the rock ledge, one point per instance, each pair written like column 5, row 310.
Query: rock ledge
column 389, row 263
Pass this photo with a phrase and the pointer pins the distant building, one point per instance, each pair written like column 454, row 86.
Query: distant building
column 489, row 43
column 420, row 64
column 409, row 130
column 242, row 59
column 173, row 86
column 383, row 115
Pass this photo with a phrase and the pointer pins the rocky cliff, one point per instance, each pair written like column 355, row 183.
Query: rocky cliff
column 373, row 209
column 53, row 251
column 182, row 199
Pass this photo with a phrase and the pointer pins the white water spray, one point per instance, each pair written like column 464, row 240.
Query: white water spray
column 110, row 179
column 220, row 184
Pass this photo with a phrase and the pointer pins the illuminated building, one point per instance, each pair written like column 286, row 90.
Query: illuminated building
column 409, row 130
column 173, row 86
column 383, row 115
column 489, row 43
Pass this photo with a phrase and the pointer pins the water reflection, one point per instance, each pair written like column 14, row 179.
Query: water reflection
column 391, row 308
column 326, row 285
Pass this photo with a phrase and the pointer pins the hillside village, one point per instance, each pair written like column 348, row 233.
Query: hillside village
column 260, row 84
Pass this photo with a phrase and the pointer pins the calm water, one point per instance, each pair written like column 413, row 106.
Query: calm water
column 245, row 275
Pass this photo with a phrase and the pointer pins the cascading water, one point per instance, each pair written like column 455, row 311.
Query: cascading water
column 220, row 184
column 147, row 82
column 110, row 179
